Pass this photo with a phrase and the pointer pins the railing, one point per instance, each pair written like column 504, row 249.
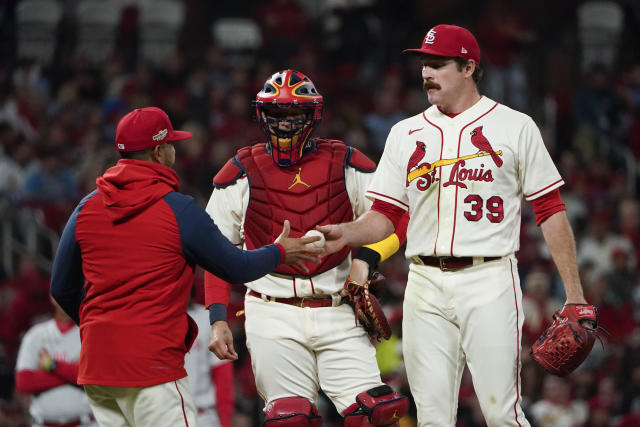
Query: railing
column 24, row 233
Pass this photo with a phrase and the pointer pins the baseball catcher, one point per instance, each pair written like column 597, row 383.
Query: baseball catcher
column 568, row 341
column 367, row 308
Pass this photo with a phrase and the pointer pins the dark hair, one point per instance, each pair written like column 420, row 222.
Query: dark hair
column 136, row 155
column 477, row 73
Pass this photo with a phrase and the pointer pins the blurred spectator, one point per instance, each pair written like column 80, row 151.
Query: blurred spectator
column 210, row 379
column 52, row 187
column 25, row 301
column 557, row 408
column 505, row 34
column 596, row 109
column 47, row 369
column 386, row 113
column 598, row 244
column 538, row 305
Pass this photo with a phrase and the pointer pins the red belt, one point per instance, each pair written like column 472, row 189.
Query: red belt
column 448, row 263
column 73, row 423
column 312, row 302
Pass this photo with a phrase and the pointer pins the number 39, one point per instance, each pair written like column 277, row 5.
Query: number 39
column 494, row 205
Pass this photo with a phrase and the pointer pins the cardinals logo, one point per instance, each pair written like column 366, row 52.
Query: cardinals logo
column 425, row 172
column 416, row 157
column 483, row 144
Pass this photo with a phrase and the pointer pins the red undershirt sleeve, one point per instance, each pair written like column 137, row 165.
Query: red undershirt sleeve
column 547, row 205
column 36, row 381
column 68, row 371
column 392, row 212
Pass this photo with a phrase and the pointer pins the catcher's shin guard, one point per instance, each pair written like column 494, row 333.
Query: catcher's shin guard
column 380, row 406
column 291, row 412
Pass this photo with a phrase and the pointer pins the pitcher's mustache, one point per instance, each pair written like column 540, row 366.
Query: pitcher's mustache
column 428, row 84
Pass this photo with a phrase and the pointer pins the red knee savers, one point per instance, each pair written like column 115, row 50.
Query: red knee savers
column 291, row 412
column 380, row 406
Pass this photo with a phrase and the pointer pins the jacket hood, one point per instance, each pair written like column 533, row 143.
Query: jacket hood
column 131, row 186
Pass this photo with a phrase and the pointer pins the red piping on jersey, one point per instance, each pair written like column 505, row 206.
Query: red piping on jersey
column 184, row 413
column 388, row 197
column 295, row 294
column 455, row 209
column 550, row 185
column 515, row 299
column 313, row 290
column 435, row 243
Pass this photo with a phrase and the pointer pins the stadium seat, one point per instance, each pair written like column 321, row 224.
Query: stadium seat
column 239, row 38
column 599, row 27
column 97, row 23
column 37, row 22
column 160, row 25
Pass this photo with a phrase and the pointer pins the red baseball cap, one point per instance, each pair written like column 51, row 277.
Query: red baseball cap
column 449, row 40
column 145, row 128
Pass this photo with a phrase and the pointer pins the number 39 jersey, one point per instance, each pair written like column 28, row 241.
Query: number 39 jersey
column 463, row 178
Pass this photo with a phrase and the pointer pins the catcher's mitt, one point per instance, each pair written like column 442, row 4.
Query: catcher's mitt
column 568, row 341
column 367, row 308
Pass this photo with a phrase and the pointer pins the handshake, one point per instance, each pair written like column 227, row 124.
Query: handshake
column 309, row 247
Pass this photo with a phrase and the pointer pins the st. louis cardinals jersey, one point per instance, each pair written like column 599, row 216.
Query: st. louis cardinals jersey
column 63, row 403
column 463, row 178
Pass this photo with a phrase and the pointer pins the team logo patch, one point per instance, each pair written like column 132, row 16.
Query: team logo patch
column 298, row 180
column 426, row 173
column 160, row 135
column 430, row 38
column 120, row 146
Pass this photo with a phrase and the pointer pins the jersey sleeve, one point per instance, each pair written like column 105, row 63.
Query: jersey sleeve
column 226, row 208
column 537, row 172
column 357, row 182
column 388, row 183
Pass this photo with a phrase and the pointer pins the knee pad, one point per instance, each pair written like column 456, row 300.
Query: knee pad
column 380, row 406
column 291, row 412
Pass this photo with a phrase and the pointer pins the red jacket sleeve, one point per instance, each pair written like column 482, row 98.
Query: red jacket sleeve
column 216, row 290
column 222, row 376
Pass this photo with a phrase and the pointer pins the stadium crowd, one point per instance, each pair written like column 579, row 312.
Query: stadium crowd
column 57, row 126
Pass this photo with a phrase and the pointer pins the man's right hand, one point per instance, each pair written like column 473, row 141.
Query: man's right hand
column 221, row 341
column 334, row 237
column 297, row 250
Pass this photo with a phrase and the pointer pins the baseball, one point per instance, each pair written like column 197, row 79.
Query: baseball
column 313, row 233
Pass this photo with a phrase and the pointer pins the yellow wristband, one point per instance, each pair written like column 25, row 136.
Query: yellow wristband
column 386, row 247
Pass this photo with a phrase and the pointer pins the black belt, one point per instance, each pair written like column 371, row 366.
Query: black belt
column 448, row 263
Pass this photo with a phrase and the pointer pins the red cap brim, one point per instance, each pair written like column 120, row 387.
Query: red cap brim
column 179, row 135
column 422, row 51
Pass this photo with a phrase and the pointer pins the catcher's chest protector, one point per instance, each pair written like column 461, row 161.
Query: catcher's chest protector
column 311, row 192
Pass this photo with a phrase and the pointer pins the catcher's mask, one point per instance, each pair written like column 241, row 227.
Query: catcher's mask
column 288, row 109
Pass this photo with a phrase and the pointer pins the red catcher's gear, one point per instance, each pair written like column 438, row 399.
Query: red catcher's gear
column 291, row 412
column 288, row 137
column 311, row 193
column 379, row 406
